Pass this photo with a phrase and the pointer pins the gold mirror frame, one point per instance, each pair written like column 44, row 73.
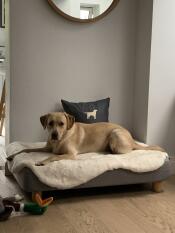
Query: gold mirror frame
column 110, row 8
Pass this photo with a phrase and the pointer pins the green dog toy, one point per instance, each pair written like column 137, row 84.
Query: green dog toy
column 33, row 208
column 8, row 205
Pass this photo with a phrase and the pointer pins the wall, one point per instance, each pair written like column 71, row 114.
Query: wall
column 2, row 36
column 2, row 52
column 141, row 84
column 52, row 58
column 161, row 113
column 2, row 30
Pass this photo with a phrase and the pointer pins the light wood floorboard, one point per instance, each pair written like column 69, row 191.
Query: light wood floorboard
column 131, row 209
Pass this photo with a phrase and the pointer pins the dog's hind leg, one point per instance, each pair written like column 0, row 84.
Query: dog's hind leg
column 120, row 141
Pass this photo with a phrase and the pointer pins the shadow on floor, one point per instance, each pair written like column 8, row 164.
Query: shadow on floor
column 89, row 193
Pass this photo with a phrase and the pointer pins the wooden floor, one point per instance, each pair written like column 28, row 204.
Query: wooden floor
column 131, row 209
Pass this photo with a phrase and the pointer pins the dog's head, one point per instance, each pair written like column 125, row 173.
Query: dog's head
column 57, row 124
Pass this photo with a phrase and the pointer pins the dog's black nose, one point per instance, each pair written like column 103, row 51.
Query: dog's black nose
column 54, row 136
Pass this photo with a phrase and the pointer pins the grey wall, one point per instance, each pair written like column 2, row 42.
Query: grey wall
column 52, row 58
column 161, row 114
column 2, row 36
column 141, row 83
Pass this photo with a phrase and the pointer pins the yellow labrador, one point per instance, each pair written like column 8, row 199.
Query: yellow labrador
column 67, row 139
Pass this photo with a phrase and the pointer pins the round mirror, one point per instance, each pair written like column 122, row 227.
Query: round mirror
column 83, row 10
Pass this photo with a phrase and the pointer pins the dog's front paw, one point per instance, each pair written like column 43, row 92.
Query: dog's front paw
column 41, row 163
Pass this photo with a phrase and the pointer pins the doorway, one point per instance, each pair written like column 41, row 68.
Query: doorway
column 3, row 68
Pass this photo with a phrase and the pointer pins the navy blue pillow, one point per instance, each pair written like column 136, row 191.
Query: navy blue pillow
column 88, row 112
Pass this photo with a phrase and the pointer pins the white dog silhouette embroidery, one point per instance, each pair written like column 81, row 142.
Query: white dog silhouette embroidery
column 92, row 114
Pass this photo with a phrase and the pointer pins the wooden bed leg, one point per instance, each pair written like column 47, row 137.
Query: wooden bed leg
column 157, row 186
column 34, row 195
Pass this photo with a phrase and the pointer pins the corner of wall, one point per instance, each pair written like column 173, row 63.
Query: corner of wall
column 142, row 68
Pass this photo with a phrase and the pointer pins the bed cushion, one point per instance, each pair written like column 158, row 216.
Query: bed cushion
column 29, row 182
column 88, row 112
column 66, row 174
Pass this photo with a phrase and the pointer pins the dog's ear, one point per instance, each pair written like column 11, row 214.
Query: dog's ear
column 43, row 120
column 70, row 120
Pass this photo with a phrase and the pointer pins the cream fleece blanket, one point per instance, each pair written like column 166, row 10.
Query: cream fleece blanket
column 66, row 174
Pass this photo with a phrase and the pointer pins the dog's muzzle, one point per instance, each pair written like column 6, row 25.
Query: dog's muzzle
column 54, row 136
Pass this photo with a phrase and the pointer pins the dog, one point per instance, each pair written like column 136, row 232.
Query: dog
column 92, row 114
column 67, row 139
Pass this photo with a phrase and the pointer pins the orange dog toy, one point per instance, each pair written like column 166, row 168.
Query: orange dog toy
column 42, row 203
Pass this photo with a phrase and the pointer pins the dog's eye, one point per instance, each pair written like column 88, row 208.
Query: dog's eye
column 51, row 123
column 61, row 123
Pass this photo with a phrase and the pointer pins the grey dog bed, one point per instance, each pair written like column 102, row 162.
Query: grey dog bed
column 30, row 183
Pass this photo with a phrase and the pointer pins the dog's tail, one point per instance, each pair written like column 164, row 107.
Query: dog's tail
column 142, row 147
